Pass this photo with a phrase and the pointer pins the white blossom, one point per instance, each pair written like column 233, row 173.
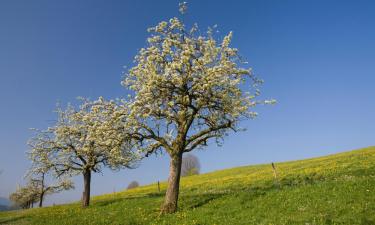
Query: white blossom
column 188, row 83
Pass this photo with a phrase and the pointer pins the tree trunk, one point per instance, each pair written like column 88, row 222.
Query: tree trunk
column 171, row 196
column 42, row 192
column 86, row 186
column 41, row 199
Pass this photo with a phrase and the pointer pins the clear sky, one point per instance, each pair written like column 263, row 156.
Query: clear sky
column 317, row 59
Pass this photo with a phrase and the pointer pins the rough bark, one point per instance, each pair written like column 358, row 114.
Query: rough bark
column 86, row 187
column 42, row 192
column 171, row 196
column 41, row 199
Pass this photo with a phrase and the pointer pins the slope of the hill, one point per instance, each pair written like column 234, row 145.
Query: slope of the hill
column 335, row 189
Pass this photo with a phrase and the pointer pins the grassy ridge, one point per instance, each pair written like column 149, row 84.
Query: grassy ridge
column 335, row 189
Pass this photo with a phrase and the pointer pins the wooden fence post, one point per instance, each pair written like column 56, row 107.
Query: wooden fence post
column 274, row 171
column 275, row 174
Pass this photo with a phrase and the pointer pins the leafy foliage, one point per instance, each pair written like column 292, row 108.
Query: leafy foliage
column 132, row 185
column 190, row 165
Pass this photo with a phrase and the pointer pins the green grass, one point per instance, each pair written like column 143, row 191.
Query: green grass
column 335, row 189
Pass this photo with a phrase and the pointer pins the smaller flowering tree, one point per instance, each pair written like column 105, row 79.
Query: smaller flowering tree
column 26, row 196
column 38, row 174
column 84, row 140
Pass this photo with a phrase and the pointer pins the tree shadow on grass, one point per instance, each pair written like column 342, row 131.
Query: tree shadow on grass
column 198, row 200
column 301, row 179
column 155, row 194
column 247, row 193
column 10, row 220
column 120, row 199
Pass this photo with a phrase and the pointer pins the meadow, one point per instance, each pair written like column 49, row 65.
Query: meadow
column 334, row 189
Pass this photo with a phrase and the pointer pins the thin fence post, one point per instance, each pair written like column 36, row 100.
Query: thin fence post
column 275, row 174
column 274, row 171
column 158, row 186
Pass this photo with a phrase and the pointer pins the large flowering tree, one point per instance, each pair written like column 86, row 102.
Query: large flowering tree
column 188, row 89
column 83, row 141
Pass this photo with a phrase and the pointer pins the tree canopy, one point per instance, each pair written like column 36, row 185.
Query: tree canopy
column 82, row 141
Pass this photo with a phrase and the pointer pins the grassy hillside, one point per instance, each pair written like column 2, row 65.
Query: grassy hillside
column 336, row 189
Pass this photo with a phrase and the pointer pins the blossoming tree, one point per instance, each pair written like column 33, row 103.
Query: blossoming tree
column 188, row 89
column 26, row 196
column 83, row 141
column 38, row 174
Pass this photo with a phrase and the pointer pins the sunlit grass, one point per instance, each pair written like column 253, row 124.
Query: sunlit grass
column 336, row 189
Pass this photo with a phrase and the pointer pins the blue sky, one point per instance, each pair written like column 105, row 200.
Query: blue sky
column 316, row 57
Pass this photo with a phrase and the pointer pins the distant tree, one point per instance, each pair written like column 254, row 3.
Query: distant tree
column 189, row 88
column 190, row 165
column 83, row 141
column 26, row 196
column 132, row 185
column 38, row 175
